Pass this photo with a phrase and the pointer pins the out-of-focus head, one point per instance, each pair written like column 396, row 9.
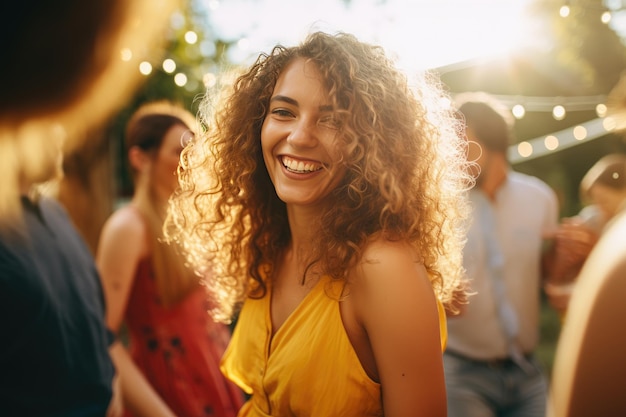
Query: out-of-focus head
column 68, row 65
column 72, row 59
column 155, row 136
column 605, row 184
column 488, row 128
column 149, row 125
column 488, row 120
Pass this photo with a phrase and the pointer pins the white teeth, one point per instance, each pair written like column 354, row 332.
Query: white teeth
column 299, row 166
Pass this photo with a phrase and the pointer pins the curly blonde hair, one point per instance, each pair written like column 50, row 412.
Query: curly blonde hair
column 405, row 177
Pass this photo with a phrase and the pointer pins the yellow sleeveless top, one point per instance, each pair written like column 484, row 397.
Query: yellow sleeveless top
column 309, row 368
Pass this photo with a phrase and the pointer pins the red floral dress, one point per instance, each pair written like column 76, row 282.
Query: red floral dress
column 179, row 349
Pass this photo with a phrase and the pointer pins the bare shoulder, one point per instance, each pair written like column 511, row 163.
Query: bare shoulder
column 381, row 250
column 385, row 262
column 126, row 217
column 389, row 270
column 126, row 228
column 391, row 316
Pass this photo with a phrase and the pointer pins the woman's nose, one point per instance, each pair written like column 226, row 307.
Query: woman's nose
column 303, row 134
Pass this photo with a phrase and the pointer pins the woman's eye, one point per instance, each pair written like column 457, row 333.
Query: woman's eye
column 282, row 113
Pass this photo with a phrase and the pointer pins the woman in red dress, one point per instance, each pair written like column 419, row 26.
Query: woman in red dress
column 172, row 364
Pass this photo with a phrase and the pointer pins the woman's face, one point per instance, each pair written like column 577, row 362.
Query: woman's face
column 166, row 160
column 298, row 137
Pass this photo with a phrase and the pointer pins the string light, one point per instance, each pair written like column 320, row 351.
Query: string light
column 145, row 68
column 541, row 146
column 558, row 112
column 580, row 132
column 126, row 54
column 180, row 79
column 169, row 65
column 609, row 124
column 546, row 104
column 209, row 80
column 525, row 149
column 518, row 111
column 551, row 142
column 605, row 17
column 191, row 37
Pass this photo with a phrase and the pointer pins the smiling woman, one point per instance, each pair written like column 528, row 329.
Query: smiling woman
column 298, row 137
column 331, row 222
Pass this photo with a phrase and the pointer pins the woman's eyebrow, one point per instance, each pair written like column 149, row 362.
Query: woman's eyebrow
column 285, row 99
column 323, row 108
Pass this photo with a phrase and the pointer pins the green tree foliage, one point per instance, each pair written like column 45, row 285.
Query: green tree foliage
column 585, row 51
column 197, row 60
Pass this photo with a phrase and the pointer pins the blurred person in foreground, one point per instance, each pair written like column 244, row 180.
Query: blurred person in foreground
column 327, row 197
column 175, row 346
column 59, row 62
column 489, row 362
column 603, row 190
column 54, row 356
column 589, row 372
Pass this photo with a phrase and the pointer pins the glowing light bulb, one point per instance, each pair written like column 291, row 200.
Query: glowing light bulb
column 551, row 142
column 126, row 54
column 191, row 37
column 525, row 149
column 580, row 132
column 518, row 111
column 558, row 112
column 180, row 79
column 145, row 68
column 169, row 65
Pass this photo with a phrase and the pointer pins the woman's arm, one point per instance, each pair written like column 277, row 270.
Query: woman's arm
column 137, row 394
column 123, row 243
column 398, row 309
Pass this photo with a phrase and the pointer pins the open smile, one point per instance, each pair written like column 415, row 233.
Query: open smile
column 300, row 167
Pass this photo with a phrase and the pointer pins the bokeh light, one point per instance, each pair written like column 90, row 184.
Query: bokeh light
column 145, row 68
column 525, row 149
column 580, row 132
column 558, row 112
column 169, row 65
column 551, row 142
column 180, row 79
column 518, row 111
column 191, row 37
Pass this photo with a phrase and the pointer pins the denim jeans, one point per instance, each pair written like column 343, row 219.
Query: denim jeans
column 483, row 389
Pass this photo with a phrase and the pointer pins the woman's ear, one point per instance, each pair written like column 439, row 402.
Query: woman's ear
column 138, row 159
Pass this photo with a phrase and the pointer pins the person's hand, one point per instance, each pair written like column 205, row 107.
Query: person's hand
column 558, row 295
column 574, row 241
column 116, row 406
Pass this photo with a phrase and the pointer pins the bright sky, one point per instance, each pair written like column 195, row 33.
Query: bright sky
column 421, row 34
